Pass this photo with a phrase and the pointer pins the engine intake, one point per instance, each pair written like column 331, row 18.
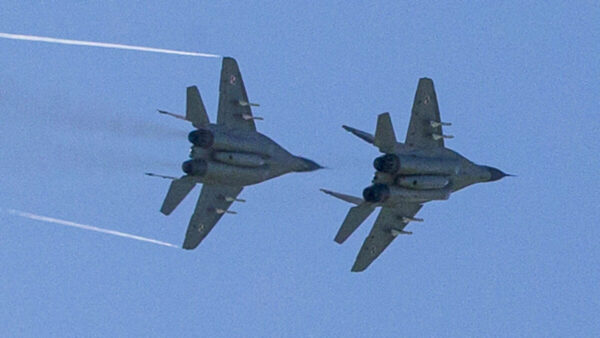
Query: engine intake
column 388, row 163
column 377, row 193
column 197, row 167
column 202, row 138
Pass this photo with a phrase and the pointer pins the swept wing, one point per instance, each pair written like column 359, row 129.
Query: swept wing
column 389, row 223
column 213, row 202
column 425, row 127
column 234, row 107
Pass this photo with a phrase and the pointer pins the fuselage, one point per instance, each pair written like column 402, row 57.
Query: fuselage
column 221, row 155
column 421, row 175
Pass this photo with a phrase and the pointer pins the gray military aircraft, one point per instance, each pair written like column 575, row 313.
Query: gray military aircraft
column 225, row 156
column 409, row 174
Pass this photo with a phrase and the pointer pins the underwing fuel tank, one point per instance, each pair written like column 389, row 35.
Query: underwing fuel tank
column 422, row 182
column 239, row 159
column 383, row 193
column 410, row 164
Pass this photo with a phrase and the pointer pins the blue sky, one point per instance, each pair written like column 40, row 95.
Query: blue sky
column 78, row 128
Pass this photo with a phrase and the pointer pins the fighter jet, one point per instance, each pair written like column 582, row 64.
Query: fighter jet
column 226, row 156
column 408, row 175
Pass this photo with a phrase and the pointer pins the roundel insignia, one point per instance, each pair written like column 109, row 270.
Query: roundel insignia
column 232, row 79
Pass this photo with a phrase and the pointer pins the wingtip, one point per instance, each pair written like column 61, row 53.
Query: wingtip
column 166, row 212
column 340, row 238
column 188, row 246
column 328, row 192
column 357, row 268
column 229, row 59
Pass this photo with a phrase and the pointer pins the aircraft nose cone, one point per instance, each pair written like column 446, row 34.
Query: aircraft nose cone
column 496, row 174
column 308, row 165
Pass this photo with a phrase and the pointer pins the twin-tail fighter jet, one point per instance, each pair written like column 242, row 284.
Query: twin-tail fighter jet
column 408, row 174
column 226, row 156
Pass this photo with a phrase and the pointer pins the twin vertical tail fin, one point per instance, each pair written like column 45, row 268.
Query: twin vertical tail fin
column 194, row 109
column 179, row 189
column 384, row 138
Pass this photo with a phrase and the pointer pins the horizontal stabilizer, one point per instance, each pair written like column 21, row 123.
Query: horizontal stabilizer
column 355, row 217
column 177, row 116
column 194, row 110
column 385, row 137
column 361, row 134
column 344, row 197
column 177, row 191
column 161, row 176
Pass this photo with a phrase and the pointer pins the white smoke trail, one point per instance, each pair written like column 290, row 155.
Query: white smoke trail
column 86, row 227
column 102, row 45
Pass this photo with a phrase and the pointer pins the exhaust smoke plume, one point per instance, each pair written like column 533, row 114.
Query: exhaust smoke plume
column 23, row 37
column 86, row 227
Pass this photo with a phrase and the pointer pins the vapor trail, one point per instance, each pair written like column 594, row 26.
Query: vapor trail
column 86, row 227
column 102, row 44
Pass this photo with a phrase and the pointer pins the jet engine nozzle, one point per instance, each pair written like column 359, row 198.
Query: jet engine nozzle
column 197, row 167
column 388, row 163
column 203, row 138
column 377, row 193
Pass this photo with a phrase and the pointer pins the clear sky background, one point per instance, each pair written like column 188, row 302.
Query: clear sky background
column 78, row 128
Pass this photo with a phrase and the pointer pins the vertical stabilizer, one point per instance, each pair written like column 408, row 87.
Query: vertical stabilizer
column 194, row 110
column 385, row 138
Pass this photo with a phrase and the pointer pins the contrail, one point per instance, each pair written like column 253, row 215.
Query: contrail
column 102, row 45
column 86, row 227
